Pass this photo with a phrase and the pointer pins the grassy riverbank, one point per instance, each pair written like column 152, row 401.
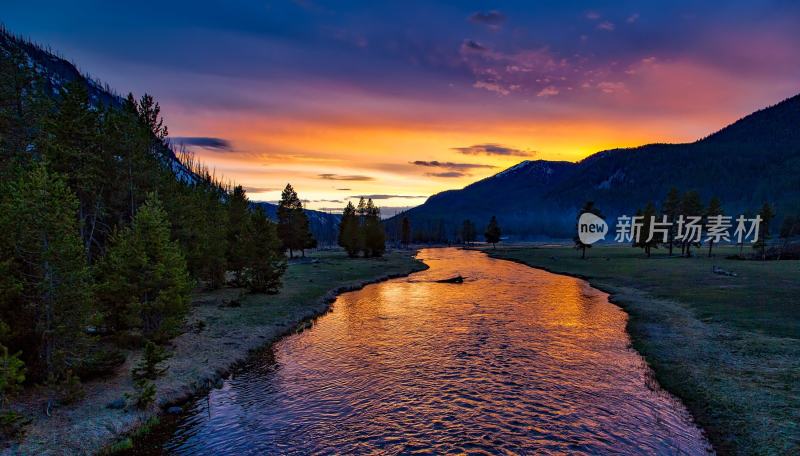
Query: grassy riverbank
column 729, row 347
column 217, row 338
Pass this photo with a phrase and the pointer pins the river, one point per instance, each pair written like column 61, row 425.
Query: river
column 514, row 360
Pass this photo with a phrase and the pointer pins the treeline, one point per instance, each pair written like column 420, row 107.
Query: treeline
column 361, row 230
column 689, row 203
column 106, row 231
column 467, row 234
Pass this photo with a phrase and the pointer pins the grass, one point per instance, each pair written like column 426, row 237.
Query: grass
column 217, row 337
column 729, row 347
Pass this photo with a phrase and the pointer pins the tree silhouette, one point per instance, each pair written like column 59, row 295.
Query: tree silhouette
column 592, row 209
column 405, row 239
column 293, row 226
column 493, row 232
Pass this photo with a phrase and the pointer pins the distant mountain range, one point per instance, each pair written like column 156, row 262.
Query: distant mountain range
column 56, row 72
column 753, row 160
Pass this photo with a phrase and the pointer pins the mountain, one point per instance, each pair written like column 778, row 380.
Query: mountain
column 56, row 73
column 753, row 160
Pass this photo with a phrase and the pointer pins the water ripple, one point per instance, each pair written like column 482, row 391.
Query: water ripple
column 513, row 361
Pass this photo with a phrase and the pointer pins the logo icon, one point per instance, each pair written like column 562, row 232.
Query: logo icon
column 591, row 228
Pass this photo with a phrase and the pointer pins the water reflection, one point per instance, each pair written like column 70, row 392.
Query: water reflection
column 515, row 360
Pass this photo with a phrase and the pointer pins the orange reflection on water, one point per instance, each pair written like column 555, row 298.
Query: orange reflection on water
column 513, row 360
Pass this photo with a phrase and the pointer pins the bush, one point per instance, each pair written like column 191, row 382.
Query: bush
column 147, row 368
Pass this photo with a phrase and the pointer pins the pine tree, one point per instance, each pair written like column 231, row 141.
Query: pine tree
column 767, row 214
column 143, row 278
column 405, row 238
column 468, row 232
column 493, row 232
column 588, row 207
column 671, row 207
column 293, row 225
column 349, row 228
column 374, row 234
column 690, row 206
column 714, row 208
column 48, row 293
column 239, row 229
column 648, row 214
column 72, row 146
column 266, row 262
column 148, row 368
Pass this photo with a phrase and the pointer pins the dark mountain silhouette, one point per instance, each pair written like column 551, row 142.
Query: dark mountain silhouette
column 753, row 160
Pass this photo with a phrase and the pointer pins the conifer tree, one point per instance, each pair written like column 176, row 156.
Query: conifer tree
column 239, row 230
column 493, row 232
column 405, row 237
column 47, row 294
column 143, row 279
column 767, row 214
column 374, row 234
column 690, row 206
column 265, row 260
column 671, row 207
column 293, row 225
column 648, row 216
column 714, row 208
column 349, row 228
column 71, row 144
column 588, row 207
column 468, row 232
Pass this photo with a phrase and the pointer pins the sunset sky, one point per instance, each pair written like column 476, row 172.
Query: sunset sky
column 405, row 99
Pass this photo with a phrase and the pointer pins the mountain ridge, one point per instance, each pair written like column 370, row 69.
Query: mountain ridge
column 752, row 160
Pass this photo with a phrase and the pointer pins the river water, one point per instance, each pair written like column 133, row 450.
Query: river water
column 513, row 361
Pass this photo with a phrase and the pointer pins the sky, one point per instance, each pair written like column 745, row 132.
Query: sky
column 401, row 100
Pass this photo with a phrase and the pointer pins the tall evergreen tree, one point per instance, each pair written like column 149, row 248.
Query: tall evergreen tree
column 714, row 208
column 48, row 291
column 72, row 146
column 588, row 207
column 671, row 207
column 493, row 232
column 265, row 262
column 691, row 205
column 349, row 228
column 405, row 238
column 648, row 214
column 374, row 234
column 767, row 215
column 239, row 219
column 468, row 232
column 143, row 281
column 293, row 225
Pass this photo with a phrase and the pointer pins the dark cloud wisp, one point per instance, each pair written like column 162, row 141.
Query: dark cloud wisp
column 450, row 165
column 341, row 177
column 492, row 149
column 202, row 142
column 491, row 18
column 447, row 174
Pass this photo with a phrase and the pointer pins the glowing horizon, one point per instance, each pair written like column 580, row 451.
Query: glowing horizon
column 350, row 99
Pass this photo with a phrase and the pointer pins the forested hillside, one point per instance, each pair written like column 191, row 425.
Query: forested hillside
column 105, row 231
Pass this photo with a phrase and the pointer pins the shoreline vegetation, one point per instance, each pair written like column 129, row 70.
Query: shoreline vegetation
column 726, row 345
column 223, row 328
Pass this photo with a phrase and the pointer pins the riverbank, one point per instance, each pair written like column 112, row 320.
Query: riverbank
column 218, row 338
column 728, row 346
